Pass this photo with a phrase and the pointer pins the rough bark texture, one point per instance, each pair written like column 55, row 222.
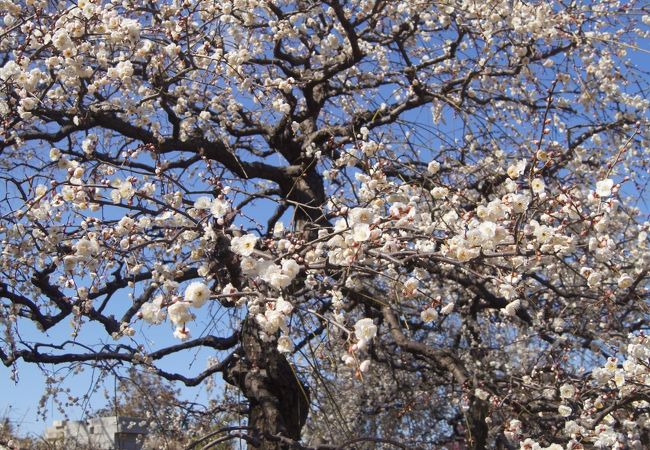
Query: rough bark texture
column 477, row 428
column 279, row 402
column 306, row 192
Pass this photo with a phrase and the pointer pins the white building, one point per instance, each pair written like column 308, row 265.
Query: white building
column 102, row 433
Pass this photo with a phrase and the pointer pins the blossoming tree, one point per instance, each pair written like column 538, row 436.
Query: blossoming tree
column 429, row 208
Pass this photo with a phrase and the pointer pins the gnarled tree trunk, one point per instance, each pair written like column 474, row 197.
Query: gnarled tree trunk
column 279, row 402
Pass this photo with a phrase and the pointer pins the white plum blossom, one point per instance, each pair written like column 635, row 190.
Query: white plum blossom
column 122, row 71
column 625, row 281
column 55, row 154
column 544, row 233
column 275, row 276
column 244, row 245
column 283, row 306
column 290, row 268
column 481, row 393
column 594, row 279
column 152, row 311
column 229, row 289
column 410, row 287
column 182, row 333
column 28, row 103
column 537, row 185
column 285, row 344
column 89, row 144
column 365, row 330
column 429, row 315
column 203, row 203
column 87, row 247
column 197, row 294
column 364, row 366
column 250, row 266
column 604, row 187
column 361, row 232
column 172, row 50
column 447, row 309
column 433, row 167
column 9, row 69
column 271, row 321
column 439, row 192
column 464, row 253
column 519, row 202
column 123, row 190
column 219, row 208
column 567, row 391
column 361, row 215
column 62, row 41
column 515, row 170
column 278, row 229
column 179, row 313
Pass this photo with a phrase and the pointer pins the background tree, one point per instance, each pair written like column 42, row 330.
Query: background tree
column 436, row 202
column 151, row 402
column 12, row 436
column 158, row 405
column 9, row 438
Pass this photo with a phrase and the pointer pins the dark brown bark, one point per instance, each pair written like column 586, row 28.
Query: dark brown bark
column 279, row 402
column 477, row 429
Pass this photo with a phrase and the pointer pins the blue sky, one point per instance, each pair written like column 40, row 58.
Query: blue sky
column 20, row 400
